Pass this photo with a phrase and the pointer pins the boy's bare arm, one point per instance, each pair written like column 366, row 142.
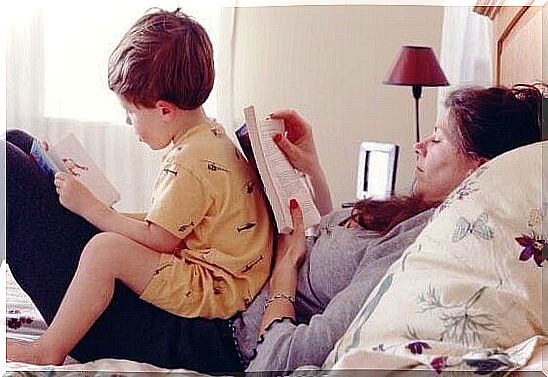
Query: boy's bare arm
column 147, row 234
column 135, row 215
column 76, row 197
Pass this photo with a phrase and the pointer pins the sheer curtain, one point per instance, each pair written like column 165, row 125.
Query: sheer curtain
column 466, row 50
column 56, row 79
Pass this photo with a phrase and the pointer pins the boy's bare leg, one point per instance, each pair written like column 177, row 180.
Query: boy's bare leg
column 107, row 256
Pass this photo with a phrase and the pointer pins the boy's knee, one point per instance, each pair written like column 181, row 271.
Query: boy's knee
column 99, row 246
column 101, row 254
column 100, row 241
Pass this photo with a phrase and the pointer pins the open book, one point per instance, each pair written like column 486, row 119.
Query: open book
column 70, row 156
column 281, row 181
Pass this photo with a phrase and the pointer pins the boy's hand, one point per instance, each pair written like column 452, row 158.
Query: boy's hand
column 74, row 195
column 44, row 144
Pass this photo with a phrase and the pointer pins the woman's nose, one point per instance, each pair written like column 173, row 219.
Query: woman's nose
column 418, row 147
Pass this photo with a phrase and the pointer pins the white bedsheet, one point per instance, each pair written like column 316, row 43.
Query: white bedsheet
column 117, row 367
column 23, row 320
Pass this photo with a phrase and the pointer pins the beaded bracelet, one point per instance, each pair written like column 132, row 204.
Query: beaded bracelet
column 278, row 296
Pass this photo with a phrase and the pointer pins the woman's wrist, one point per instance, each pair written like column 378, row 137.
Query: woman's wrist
column 281, row 295
column 288, row 298
column 315, row 172
column 322, row 195
column 284, row 268
column 283, row 280
column 276, row 310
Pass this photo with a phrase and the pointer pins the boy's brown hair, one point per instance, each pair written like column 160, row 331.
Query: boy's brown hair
column 164, row 56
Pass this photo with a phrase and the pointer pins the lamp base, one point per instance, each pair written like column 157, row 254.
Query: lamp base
column 417, row 91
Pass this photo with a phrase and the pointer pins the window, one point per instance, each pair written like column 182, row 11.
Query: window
column 76, row 48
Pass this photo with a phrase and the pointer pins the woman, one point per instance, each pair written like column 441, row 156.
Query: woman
column 316, row 287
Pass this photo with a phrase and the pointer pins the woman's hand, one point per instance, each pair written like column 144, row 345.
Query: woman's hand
column 291, row 248
column 297, row 144
column 74, row 195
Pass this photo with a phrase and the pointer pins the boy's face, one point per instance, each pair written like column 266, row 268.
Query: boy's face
column 148, row 123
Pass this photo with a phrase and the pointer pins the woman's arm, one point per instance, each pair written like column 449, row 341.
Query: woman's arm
column 322, row 195
column 297, row 345
column 290, row 253
column 299, row 147
column 285, row 346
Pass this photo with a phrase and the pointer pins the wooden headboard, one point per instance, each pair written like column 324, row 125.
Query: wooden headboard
column 518, row 41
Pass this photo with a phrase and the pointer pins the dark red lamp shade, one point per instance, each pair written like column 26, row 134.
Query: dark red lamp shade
column 417, row 65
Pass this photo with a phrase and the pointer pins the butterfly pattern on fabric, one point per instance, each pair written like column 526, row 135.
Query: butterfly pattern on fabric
column 460, row 193
column 478, row 228
column 466, row 189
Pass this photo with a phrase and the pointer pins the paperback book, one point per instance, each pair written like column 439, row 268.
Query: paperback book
column 69, row 156
column 281, row 182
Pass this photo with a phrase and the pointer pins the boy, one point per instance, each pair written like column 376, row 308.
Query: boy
column 204, row 247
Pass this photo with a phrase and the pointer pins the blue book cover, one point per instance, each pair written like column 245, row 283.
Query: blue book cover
column 45, row 161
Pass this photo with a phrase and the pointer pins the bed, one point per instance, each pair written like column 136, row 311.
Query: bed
column 514, row 28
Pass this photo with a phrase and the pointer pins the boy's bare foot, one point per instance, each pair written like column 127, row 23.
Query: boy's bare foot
column 31, row 353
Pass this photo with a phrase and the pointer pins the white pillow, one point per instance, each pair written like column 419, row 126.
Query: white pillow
column 461, row 286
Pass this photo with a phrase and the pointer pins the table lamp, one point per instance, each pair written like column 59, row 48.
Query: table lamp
column 417, row 66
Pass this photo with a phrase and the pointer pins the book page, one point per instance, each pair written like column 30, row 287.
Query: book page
column 77, row 162
column 288, row 182
column 264, row 173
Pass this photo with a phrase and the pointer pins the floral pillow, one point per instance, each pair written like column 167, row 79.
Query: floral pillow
column 471, row 281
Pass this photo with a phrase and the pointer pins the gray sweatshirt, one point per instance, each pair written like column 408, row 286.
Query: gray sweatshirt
column 341, row 269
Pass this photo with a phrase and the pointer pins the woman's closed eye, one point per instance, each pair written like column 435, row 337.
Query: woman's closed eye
column 438, row 136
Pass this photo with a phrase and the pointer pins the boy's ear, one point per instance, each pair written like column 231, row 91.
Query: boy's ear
column 167, row 108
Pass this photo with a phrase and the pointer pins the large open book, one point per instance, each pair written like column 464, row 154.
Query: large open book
column 70, row 156
column 281, row 181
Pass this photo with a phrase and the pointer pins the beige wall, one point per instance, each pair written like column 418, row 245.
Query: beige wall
column 328, row 62
column 545, row 43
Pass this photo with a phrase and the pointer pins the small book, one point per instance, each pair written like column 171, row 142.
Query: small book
column 70, row 156
column 281, row 182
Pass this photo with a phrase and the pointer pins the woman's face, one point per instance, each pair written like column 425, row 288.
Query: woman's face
column 441, row 164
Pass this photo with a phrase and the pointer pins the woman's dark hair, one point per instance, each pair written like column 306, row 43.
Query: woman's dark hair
column 488, row 123
column 495, row 120
column 382, row 215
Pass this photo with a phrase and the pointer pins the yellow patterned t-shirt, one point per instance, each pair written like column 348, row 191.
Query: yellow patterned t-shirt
column 209, row 196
